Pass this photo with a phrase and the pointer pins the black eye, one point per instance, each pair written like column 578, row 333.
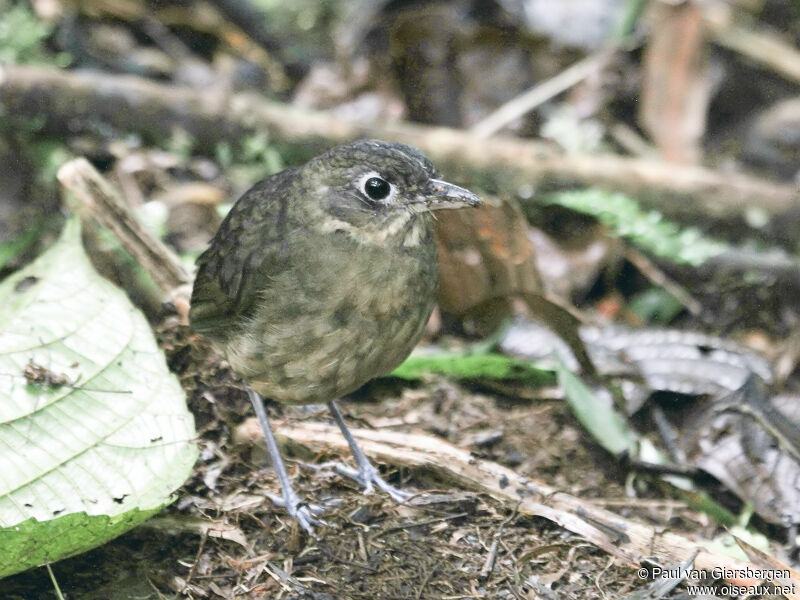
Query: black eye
column 377, row 188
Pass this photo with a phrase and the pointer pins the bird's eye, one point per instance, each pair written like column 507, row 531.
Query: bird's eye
column 377, row 188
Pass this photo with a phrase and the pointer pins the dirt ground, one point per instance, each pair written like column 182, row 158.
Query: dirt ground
column 466, row 546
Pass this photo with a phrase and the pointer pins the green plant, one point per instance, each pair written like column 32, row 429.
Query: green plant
column 22, row 36
column 648, row 230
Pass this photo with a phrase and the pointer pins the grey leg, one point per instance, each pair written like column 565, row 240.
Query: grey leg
column 367, row 474
column 302, row 513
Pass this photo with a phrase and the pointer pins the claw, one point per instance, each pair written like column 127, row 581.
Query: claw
column 304, row 513
column 367, row 475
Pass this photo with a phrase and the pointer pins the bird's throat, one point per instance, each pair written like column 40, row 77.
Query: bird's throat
column 401, row 228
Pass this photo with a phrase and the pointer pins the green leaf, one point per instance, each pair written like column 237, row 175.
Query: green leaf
column 94, row 431
column 12, row 248
column 470, row 366
column 22, row 35
column 603, row 422
column 702, row 502
column 655, row 306
column 647, row 229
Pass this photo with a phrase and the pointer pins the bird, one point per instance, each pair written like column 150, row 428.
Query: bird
column 321, row 278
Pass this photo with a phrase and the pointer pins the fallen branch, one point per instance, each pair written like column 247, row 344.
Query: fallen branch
column 763, row 47
column 631, row 541
column 520, row 105
column 69, row 100
column 97, row 198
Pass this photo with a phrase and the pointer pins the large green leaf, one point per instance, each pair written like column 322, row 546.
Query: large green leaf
column 94, row 431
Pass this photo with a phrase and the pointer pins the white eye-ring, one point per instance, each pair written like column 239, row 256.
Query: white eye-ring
column 376, row 188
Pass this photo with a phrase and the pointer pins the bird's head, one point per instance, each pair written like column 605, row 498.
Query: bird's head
column 376, row 191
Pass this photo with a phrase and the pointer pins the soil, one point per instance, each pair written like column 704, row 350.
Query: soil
column 463, row 546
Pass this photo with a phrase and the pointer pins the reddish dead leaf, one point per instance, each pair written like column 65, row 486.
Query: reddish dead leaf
column 484, row 254
column 486, row 259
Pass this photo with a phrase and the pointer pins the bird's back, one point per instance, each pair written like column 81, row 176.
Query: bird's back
column 249, row 246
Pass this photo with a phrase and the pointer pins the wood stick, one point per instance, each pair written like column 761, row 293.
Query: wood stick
column 541, row 93
column 633, row 542
column 65, row 99
column 763, row 47
column 98, row 198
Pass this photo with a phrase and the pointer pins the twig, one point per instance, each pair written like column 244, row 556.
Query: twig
column 632, row 542
column 197, row 557
column 155, row 589
column 412, row 525
column 659, row 278
column 102, row 201
column 761, row 46
column 602, row 572
column 491, row 558
column 544, row 91
column 55, row 583
column 631, row 141
column 60, row 97
column 777, row 265
column 286, row 581
column 425, row 581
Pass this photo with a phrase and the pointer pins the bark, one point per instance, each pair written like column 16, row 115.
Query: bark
column 69, row 101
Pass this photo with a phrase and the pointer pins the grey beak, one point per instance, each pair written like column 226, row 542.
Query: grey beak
column 446, row 195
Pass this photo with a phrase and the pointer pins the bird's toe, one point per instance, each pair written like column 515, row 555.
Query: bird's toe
column 304, row 513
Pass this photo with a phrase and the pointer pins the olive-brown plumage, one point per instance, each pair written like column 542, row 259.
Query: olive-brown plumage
column 322, row 277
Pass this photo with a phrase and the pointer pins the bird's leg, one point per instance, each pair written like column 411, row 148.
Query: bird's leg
column 301, row 512
column 367, row 475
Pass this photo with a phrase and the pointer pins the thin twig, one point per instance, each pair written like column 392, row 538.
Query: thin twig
column 602, row 572
column 491, row 558
column 760, row 46
column 286, row 581
column 412, row 525
column 631, row 140
column 98, row 198
column 542, row 92
column 649, row 269
column 424, row 583
column 197, row 556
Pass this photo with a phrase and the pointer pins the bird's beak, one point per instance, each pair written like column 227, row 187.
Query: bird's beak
column 441, row 194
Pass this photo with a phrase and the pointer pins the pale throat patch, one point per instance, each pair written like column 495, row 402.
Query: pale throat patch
column 375, row 236
column 414, row 234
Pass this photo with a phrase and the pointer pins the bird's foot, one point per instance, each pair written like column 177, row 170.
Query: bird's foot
column 368, row 477
column 304, row 513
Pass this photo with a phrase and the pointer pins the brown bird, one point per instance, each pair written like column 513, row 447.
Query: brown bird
column 322, row 278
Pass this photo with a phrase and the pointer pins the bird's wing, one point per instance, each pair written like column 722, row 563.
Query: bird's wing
column 248, row 248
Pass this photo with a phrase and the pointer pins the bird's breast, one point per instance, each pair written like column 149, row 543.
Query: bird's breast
column 344, row 313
